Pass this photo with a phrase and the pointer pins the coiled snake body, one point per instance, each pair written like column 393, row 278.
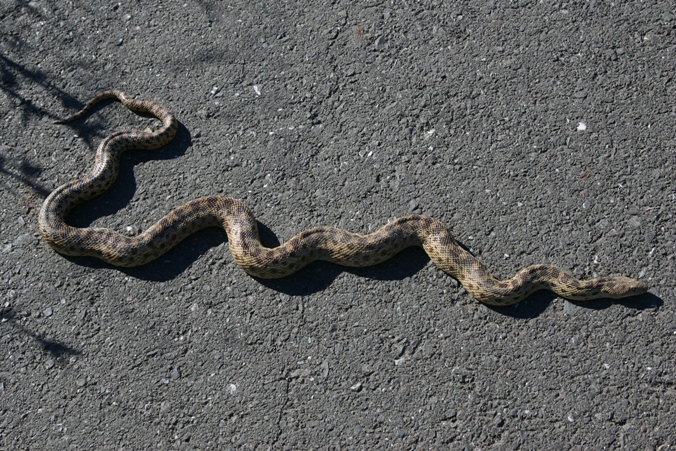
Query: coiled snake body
column 324, row 243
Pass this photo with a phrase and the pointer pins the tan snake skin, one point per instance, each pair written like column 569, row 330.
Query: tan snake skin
column 323, row 243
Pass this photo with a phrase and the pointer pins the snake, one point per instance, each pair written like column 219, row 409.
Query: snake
column 322, row 243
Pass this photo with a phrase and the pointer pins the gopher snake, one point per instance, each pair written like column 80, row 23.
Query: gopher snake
column 323, row 243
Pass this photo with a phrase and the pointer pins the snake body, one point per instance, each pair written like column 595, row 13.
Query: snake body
column 323, row 243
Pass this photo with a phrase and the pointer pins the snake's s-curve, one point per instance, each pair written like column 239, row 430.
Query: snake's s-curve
column 323, row 243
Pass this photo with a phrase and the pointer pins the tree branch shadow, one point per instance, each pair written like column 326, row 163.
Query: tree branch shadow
column 11, row 71
column 25, row 173
column 54, row 348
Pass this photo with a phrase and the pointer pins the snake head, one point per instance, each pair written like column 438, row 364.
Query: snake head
column 622, row 287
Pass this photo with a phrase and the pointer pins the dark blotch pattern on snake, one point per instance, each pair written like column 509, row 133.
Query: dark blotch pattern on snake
column 324, row 243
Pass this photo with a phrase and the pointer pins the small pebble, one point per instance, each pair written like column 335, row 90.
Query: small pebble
column 175, row 373
column 380, row 41
column 568, row 308
column 450, row 415
column 634, row 222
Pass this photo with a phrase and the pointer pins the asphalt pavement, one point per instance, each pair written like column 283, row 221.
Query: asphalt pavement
column 539, row 132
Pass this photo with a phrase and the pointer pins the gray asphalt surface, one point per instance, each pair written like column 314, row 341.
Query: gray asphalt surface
column 538, row 131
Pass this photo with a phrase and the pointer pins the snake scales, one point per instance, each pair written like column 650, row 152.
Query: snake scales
column 323, row 243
